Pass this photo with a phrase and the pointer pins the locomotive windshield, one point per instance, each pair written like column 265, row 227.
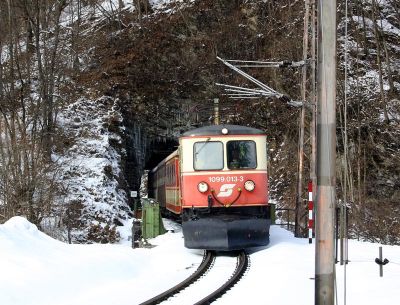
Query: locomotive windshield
column 208, row 155
column 241, row 154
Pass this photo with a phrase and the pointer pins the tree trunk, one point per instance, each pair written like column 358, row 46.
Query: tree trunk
column 378, row 58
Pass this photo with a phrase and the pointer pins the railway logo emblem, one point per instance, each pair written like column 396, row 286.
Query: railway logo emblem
column 226, row 190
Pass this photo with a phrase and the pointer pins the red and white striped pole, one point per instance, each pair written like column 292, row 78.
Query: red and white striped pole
column 310, row 213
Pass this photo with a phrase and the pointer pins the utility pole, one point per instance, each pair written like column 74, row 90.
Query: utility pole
column 326, row 154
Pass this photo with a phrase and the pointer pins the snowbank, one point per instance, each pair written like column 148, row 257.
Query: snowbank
column 36, row 269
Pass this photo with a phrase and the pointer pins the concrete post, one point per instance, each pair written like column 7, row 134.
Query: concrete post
column 326, row 154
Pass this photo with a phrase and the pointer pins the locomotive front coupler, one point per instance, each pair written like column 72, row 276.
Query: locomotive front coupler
column 210, row 202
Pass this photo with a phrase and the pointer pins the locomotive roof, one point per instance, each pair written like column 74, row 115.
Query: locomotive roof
column 217, row 130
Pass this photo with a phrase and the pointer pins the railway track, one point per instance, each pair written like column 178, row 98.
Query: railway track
column 205, row 266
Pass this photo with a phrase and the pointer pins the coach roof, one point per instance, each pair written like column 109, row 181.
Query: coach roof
column 217, row 130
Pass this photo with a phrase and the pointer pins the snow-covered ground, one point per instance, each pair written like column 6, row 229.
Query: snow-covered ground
column 36, row 269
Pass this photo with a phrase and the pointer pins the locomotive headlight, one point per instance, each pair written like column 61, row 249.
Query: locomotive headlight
column 202, row 187
column 249, row 185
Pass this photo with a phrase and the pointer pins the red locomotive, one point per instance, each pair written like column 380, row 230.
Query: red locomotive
column 217, row 183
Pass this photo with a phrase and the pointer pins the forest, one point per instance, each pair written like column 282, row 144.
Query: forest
column 92, row 92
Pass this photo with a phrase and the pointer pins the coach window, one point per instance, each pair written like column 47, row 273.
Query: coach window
column 241, row 154
column 208, row 155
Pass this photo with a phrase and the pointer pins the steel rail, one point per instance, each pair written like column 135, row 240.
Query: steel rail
column 241, row 267
column 208, row 259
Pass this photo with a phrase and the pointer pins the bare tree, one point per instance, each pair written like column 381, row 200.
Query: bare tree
column 27, row 120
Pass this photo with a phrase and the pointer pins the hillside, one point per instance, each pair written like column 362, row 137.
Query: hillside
column 99, row 90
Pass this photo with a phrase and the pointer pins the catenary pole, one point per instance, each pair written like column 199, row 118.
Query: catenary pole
column 216, row 111
column 313, row 127
column 326, row 153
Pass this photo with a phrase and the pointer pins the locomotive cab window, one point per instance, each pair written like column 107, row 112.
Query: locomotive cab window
column 208, row 155
column 241, row 154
